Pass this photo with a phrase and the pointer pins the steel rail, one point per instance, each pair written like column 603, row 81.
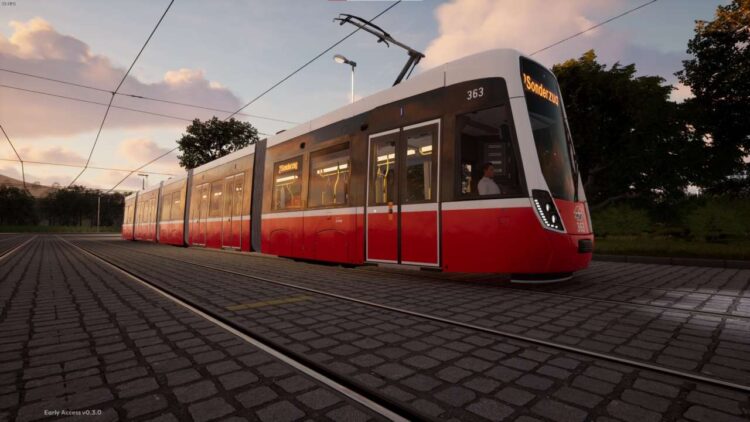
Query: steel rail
column 377, row 403
column 626, row 361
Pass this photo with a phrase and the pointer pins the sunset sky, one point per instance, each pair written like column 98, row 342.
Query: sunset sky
column 221, row 54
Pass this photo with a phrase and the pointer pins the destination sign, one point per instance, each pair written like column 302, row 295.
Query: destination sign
column 539, row 89
column 283, row 168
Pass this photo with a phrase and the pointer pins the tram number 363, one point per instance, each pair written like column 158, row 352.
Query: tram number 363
column 475, row 93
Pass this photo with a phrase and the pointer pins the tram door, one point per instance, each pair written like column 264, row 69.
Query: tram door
column 231, row 226
column 402, row 218
column 199, row 228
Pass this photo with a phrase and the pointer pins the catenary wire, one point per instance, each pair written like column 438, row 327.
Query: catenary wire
column 65, row 97
column 593, row 27
column 112, row 97
column 308, row 63
column 144, row 97
column 47, row 163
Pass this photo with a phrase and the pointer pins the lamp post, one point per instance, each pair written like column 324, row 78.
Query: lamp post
column 145, row 178
column 343, row 60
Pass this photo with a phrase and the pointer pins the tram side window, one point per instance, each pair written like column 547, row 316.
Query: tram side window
column 329, row 177
column 166, row 207
column 177, row 208
column 216, row 199
column 287, row 184
column 488, row 166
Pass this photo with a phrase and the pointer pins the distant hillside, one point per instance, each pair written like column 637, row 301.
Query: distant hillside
column 38, row 191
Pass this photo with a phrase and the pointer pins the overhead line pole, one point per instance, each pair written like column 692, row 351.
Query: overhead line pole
column 141, row 167
column 23, row 170
column 106, row 113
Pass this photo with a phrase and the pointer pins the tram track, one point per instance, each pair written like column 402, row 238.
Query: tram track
column 569, row 296
column 687, row 375
column 6, row 252
column 358, row 393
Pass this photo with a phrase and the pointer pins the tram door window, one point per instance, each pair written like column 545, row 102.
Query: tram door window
column 199, row 225
column 287, row 184
column 232, row 219
column 488, row 167
column 402, row 211
column 329, row 177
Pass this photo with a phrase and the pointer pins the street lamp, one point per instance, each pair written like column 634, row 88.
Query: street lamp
column 343, row 60
column 145, row 178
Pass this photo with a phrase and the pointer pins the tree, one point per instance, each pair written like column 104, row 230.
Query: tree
column 16, row 207
column 209, row 140
column 630, row 139
column 719, row 76
column 75, row 205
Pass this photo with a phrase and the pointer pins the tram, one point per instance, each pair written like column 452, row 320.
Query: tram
column 467, row 167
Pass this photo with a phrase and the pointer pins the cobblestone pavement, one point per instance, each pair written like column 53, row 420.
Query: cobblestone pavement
column 10, row 241
column 709, row 344
column 439, row 369
column 74, row 335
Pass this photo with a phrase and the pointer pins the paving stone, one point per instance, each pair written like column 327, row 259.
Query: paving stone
column 196, row 391
column 456, row 396
column 558, row 411
column 490, row 409
column 282, row 411
column 145, row 405
column 515, row 396
column 256, row 396
column 703, row 414
column 237, row 379
column 631, row 413
column 319, row 399
column 210, row 409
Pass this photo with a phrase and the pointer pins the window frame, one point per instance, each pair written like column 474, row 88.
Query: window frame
column 323, row 151
column 516, row 151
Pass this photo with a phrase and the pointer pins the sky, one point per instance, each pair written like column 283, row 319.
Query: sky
column 221, row 54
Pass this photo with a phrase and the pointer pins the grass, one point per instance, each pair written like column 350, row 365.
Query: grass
column 671, row 247
column 58, row 229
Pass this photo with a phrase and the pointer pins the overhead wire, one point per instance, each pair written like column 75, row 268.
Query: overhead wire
column 144, row 97
column 591, row 28
column 112, row 97
column 47, row 163
column 259, row 96
column 279, row 82
column 65, row 97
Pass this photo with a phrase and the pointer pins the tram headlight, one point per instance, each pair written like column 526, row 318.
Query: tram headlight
column 546, row 209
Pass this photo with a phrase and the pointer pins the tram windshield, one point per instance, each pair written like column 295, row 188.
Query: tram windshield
column 550, row 133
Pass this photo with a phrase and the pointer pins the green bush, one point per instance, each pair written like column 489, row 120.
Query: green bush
column 719, row 219
column 621, row 220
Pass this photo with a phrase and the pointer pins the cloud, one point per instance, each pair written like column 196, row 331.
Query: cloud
column 471, row 26
column 138, row 151
column 36, row 47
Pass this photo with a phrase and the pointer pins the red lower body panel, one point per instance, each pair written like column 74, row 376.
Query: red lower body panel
column 145, row 232
column 331, row 238
column 219, row 234
column 508, row 240
column 127, row 231
column 419, row 237
column 171, row 233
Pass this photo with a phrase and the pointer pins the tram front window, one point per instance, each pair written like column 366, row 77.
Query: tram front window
column 548, row 125
column 488, row 165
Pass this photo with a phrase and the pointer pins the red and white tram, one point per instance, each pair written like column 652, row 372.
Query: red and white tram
column 467, row 167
